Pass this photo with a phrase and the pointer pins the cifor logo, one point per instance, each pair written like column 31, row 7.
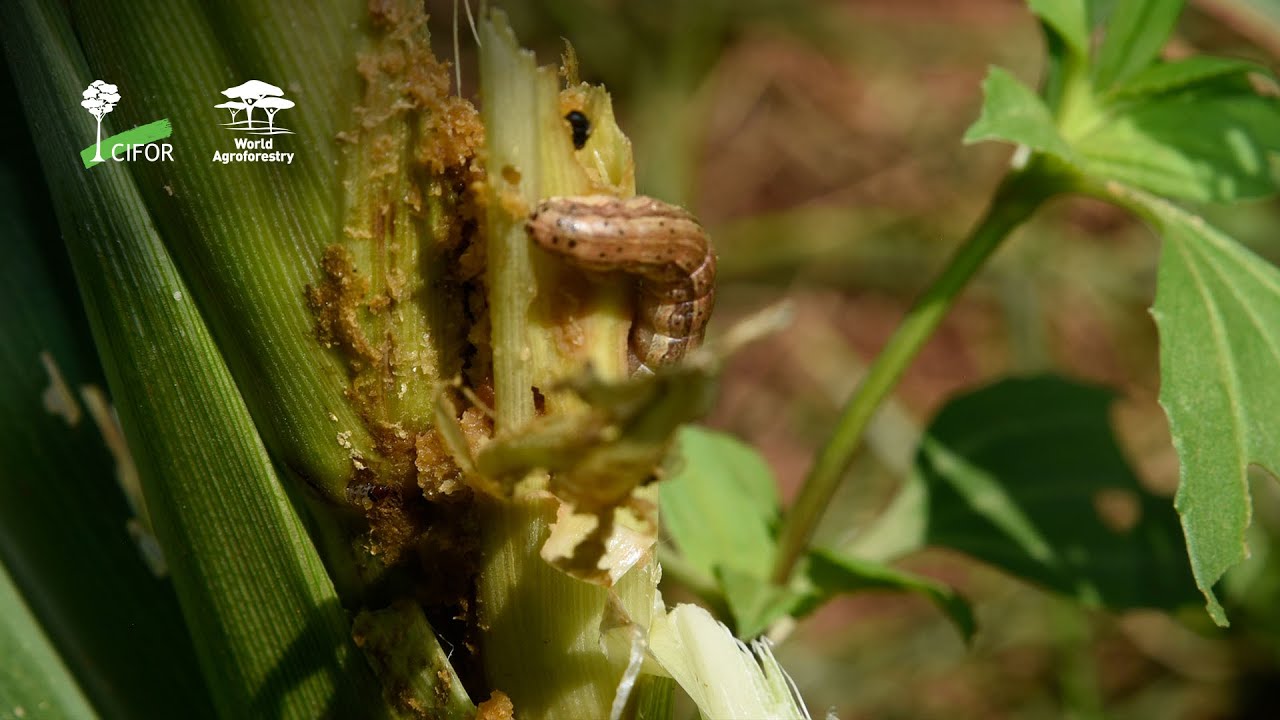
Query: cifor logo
column 268, row 100
column 140, row 143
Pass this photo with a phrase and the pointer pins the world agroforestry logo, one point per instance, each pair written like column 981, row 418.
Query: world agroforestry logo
column 268, row 100
column 100, row 98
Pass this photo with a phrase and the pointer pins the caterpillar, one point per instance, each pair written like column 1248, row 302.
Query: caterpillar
column 661, row 245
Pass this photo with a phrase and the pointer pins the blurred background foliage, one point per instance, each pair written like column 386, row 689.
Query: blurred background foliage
column 820, row 143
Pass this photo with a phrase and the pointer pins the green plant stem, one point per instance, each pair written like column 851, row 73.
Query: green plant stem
column 415, row 669
column 1018, row 196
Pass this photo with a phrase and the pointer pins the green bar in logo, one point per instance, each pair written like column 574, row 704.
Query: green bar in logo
column 140, row 135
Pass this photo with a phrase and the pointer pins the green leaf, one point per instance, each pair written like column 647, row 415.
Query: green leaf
column 832, row 573
column 756, row 603
column 1135, row 33
column 720, row 507
column 721, row 504
column 271, row 636
column 1217, row 308
column 1212, row 142
column 33, row 680
column 1066, row 87
column 64, row 523
column 248, row 236
column 1025, row 475
column 1013, row 112
column 1068, row 19
column 1164, row 77
column 311, row 41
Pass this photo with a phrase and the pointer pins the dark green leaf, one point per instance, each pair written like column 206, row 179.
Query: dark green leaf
column 271, row 636
column 721, row 504
column 63, row 519
column 1013, row 112
column 1135, row 33
column 248, row 236
column 833, row 573
column 1209, row 143
column 1179, row 74
column 1218, row 310
column 1025, row 475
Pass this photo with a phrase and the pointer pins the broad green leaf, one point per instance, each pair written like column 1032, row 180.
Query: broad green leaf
column 1164, row 77
column 720, row 507
column 721, row 504
column 1069, row 19
column 1013, row 112
column 64, row 523
column 833, row 573
column 1214, row 142
column 271, row 636
column 249, row 236
column 34, row 682
column 307, row 46
column 1135, row 33
column 1217, row 308
column 1025, row 475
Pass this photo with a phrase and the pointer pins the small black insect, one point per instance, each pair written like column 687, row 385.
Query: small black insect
column 581, row 128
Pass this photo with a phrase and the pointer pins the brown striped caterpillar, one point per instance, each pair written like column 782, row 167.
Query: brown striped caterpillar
column 661, row 245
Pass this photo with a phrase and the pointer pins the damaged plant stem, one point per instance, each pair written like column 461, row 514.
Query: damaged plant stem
column 436, row 277
column 339, row 324
column 548, row 321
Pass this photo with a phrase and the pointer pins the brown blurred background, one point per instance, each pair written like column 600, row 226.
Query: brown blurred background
column 821, row 144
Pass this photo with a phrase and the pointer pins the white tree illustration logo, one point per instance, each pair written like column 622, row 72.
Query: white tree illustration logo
column 255, row 94
column 100, row 98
